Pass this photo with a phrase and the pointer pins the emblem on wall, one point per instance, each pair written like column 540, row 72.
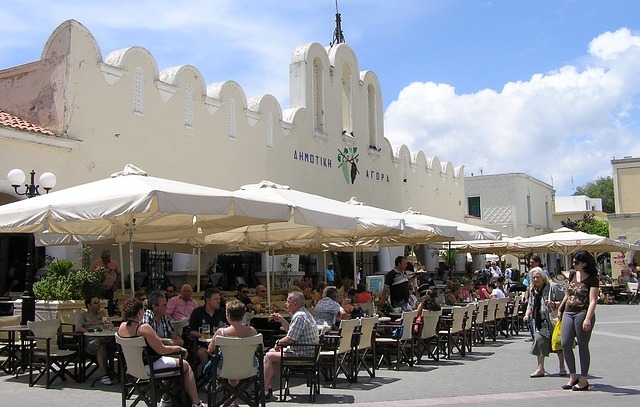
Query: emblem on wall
column 348, row 159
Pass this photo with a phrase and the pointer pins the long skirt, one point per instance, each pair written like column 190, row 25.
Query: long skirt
column 541, row 345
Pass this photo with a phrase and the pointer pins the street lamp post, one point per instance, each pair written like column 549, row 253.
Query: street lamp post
column 16, row 178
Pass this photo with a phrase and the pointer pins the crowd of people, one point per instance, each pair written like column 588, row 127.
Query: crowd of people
column 568, row 299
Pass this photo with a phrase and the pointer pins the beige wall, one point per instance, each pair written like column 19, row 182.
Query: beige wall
column 89, row 100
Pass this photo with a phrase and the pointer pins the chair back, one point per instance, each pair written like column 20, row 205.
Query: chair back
column 407, row 324
column 482, row 311
column 43, row 330
column 366, row 332
column 347, row 329
column 458, row 315
column 11, row 320
column 492, row 303
column 238, row 356
column 133, row 351
column 367, row 307
column 501, row 310
column 430, row 323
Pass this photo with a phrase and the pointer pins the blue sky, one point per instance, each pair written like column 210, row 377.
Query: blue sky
column 549, row 87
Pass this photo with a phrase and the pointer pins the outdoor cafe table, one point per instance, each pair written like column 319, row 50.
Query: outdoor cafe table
column 15, row 359
column 110, row 335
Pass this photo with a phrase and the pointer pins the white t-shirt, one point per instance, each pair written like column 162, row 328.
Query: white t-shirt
column 497, row 293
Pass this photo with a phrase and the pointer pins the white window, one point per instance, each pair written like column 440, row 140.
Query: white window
column 138, row 90
column 188, row 106
column 270, row 130
column 372, row 109
column 318, row 96
column 232, row 118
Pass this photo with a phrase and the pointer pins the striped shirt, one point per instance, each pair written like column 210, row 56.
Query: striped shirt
column 303, row 329
column 164, row 329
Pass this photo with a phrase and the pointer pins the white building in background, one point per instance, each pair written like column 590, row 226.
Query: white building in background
column 514, row 203
column 578, row 203
column 88, row 115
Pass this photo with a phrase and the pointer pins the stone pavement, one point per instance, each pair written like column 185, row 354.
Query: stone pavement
column 496, row 373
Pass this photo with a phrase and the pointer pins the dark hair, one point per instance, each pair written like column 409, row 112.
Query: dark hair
column 352, row 292
column 209, row 292
column 537, row 259
column 332, row 293
column 590, row 263
column 399, row 260
column 87, row 300
column 236, row 310
column 154, row 299
column 410, row 266
column 131, row 307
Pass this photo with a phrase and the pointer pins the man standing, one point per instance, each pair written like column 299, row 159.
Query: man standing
column 94, row 318
column 111, row 278
column 330, row 275
column 396, row 285
column 302, row 329
column 155, row 315
column 181, row 306
column 211, row 315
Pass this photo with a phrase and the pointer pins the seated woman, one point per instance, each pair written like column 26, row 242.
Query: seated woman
column 452, row 294
column 235, row 313
column 132, row 312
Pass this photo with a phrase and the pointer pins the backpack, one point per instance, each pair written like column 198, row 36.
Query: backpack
column 515, row 275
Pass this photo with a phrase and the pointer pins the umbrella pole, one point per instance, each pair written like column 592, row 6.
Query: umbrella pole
column 131, row 269
column 355, row 267
column 324, row 273
column 122, row 277
column 198, row 273
column 268, row 279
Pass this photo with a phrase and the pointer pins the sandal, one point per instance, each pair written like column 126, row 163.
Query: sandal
column 563, row 373
column 540, row 374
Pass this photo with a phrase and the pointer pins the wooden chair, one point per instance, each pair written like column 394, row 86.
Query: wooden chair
column 366, row 355
column 45, row 354
column 238, row 359
column 339, row 354
column 304, row 364
column 452, row 334
column 480, row 323
column 6, row 347
column 492, row 304
column 387, row 347
column 427, row 341
column 137, row 375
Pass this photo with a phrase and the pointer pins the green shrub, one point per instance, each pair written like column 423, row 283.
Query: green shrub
column 64, row 283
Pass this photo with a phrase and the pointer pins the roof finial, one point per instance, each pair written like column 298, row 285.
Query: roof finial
column 338, row 36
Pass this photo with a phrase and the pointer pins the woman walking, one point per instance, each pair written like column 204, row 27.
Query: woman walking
column 538, row 314
column 577, row 313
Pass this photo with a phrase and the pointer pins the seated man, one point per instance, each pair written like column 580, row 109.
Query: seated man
column 155, row 315
column 181, row 306
column 210, row 314
column 94, row 318
column 243, row 296
column 260, row 300
column 302, row 329
column 328, row 310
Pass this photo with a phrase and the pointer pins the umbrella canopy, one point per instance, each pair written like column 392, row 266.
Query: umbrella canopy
column 314, row 220
column 131, row 204
column 506, row 245
column 566, row 241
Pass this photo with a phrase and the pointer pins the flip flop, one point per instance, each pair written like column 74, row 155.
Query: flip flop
column 534, row 375
column 563, row 374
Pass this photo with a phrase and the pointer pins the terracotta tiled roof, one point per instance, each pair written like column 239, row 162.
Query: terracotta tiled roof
column 9, row 120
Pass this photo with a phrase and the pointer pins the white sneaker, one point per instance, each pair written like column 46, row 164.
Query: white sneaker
column 197, row 405
column 164, row 403
column 106, row 381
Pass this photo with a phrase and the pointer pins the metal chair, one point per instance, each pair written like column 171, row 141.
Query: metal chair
column 238, row 359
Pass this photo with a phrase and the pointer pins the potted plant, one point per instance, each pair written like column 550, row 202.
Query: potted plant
column 63, row 289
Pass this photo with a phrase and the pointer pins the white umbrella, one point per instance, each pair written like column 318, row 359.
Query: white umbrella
column 566, row 241
column 315, row 220
column 131, row 203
